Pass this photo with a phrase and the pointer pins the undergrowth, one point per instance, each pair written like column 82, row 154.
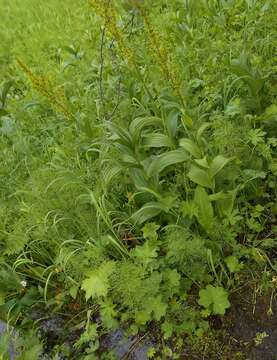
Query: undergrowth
column 138, row 168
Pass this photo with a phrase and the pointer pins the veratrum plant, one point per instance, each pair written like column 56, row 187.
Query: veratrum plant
column 157, row 201
column 141, row 153
column 252, row 79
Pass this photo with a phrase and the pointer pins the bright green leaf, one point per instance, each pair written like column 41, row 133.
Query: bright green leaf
column 202, row 163
column 200, row 177
column 205, row 214
column 191, row 147
column 214, row 298
column 218, row 164
column 97, row 282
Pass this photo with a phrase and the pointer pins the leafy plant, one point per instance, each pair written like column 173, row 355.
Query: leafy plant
column 214, row 299
column 138, row 170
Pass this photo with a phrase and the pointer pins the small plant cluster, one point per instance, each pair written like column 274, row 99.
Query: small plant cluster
column 157, row 200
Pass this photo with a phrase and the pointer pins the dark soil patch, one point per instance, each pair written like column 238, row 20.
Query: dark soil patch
column 252, row 327
column 247, row 332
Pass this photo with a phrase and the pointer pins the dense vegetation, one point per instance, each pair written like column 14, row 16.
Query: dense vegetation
column 138, row 168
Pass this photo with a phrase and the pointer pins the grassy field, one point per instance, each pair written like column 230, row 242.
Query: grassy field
column 137, row 175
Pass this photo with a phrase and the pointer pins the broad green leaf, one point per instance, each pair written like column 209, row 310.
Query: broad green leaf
column 200, row 177
column 138, row 124
column 129, row 159
column 147, row 190
column 97, row 282
column 172, row 122
column 215, row 299
column 202, row 162
column 148, row 211
column 124, row 149
column 118, row 133
column 218, row 196
column 109, row 173
column 159, row 163
column 196, row 83
column 156, row 306
column 138, row 177
column 218, row 164
column 226, row 203
column 157, row 140
column 243, row 69
column 205, row 214
column 201, row 130
column 191, row 147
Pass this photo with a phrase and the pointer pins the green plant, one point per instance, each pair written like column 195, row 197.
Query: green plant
column 152, row 205
column 214, row 299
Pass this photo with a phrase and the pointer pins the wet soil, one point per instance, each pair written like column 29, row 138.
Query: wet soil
column 247, row 332
column 132, row 348
column 253, row 326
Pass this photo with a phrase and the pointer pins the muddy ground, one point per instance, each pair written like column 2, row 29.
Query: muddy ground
column 253, row 325
column 247, row 332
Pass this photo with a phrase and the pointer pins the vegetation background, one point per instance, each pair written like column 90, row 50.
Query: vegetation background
column 138, row 171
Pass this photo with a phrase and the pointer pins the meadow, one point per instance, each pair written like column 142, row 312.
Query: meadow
column 138, row 171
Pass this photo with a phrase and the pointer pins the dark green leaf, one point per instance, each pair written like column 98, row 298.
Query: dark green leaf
column 159, row 163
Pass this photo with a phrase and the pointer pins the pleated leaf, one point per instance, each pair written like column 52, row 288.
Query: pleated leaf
column 218, row 164
column 161, row 162
column 191, row 147
column 200, row 177
column 148, row 211
column 157, row 140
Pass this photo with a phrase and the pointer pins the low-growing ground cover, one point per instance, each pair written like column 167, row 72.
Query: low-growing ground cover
column 138, row 178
